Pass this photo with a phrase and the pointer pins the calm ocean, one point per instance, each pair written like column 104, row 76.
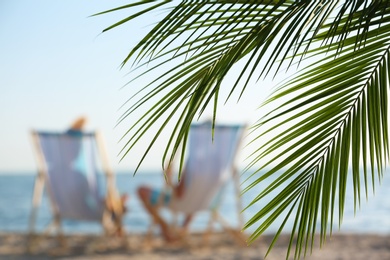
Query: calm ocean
column 16, row 193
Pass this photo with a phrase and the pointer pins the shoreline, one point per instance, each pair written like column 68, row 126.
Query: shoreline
column 219, row 246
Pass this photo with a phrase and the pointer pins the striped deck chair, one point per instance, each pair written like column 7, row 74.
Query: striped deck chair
column 210, row 165
column 68, row 167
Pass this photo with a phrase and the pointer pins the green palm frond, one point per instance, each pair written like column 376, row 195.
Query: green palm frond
column 199, row 43
column 331, row 115
column 334, row 114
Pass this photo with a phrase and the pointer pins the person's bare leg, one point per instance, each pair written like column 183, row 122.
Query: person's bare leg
column 185, row 225
column 144, row 194
column 187, row 221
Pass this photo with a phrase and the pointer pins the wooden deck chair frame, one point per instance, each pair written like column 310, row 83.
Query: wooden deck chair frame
column 41, row 182
column 215, row 216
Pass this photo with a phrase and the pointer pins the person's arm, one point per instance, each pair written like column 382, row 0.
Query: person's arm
column 180, row 188
column 168, row 176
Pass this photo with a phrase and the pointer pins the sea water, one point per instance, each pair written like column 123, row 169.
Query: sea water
column 16, row 192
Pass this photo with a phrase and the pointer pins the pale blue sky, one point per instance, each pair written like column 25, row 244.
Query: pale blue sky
column 55, row 65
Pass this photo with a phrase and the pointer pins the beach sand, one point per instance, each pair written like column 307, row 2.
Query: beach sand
column 219, row 246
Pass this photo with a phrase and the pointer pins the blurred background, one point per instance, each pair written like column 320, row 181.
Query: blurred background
column 55, row 66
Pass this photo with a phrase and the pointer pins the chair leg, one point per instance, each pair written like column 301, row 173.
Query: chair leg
column 209, row 229
column 36, row 201
column 236, row 234
column 60, row 232
column 105, row 223
column 32, row 241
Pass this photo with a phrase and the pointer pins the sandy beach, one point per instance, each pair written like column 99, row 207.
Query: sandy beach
column 219, row 246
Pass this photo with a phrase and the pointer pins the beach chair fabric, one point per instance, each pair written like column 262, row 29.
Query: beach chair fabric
column 209, row 166
column 68, row 167
column 72, row 169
